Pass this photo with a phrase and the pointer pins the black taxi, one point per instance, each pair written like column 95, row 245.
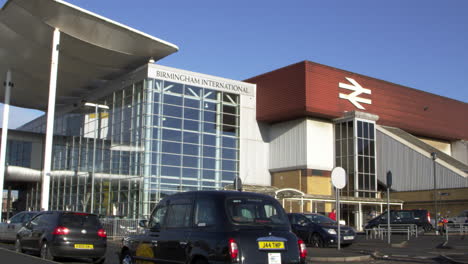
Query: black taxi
column 215, row 227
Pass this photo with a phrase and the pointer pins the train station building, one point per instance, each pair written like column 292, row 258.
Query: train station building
column 121, row 131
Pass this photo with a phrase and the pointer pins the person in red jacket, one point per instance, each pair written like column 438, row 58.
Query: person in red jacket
column 332, row 215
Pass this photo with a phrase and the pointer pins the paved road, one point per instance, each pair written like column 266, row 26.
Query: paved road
column 424, row 249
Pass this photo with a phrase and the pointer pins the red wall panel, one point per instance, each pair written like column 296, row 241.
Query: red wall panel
column 415, row 111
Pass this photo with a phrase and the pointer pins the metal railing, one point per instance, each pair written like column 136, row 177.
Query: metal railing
column 382, row 230
column 116, row 228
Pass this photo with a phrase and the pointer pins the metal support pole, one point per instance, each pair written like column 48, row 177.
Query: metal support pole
column 6, row 112
column 436, row 210
column 338, row 235
column 50, row 121
column 94, row 157
column 388, row 217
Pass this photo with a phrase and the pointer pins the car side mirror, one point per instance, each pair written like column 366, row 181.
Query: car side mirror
column 28, row 225
column 143, row 223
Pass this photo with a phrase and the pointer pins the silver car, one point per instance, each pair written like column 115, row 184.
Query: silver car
column 9, row 228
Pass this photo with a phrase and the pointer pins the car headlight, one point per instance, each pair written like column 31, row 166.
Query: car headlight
column 330, row 231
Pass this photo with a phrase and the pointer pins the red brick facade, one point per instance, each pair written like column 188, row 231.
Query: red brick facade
column 311, row 89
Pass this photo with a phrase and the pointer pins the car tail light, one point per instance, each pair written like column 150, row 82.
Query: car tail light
column 428, row 217
column 233, row 249
column 302, row 249
column 102, row 233
column 60, row 230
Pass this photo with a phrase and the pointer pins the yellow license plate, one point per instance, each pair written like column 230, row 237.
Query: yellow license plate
column 270, row 245
column 84, row 246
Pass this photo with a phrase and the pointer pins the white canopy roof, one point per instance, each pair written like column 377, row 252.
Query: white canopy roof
column 93, row 50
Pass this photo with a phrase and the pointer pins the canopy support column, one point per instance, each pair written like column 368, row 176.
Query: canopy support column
column 6, row 112
column 50, row 121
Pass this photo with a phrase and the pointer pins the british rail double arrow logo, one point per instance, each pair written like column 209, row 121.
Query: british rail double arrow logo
column 353, row 97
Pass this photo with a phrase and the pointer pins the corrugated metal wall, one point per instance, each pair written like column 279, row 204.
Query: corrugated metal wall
column 410, row 169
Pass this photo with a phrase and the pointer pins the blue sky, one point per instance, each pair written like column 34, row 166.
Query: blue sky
column 422, row 44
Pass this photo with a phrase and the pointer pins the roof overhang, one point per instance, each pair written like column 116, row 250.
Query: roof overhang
column 93, row 51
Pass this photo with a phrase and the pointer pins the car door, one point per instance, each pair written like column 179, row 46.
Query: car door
column 148, row 248
column 173, row 240
column 15, row 223
column 26, row 233
column 301, row 226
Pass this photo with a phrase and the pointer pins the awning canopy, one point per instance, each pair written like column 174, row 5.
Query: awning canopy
column 93, row 50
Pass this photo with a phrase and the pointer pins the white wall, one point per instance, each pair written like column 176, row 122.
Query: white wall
column 320, row 145
column 253, row 145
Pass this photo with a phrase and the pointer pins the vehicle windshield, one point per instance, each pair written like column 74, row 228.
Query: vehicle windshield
column 256, row 211
column 80, row 220
column 320, row 219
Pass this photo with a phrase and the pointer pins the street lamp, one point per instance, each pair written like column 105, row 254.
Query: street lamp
column 434, row 157
column 96, row 106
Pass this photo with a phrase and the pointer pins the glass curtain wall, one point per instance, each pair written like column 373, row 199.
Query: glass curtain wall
column 156, row 138
column 355, row 152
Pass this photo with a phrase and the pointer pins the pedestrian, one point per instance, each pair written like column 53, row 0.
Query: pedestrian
column 332, row 214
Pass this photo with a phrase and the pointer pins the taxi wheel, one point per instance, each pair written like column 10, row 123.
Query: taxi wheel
column 126, row 258
column 18, row 247
column 45, row 252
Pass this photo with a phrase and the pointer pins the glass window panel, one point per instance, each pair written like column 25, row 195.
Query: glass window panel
column 194, row 103
column 228, row 109
column 229, row 165
column 350, row 129
column 155, row 108
column 189, row 161
column 171, row 147
column 371, row 148
column 172, row 122
column 338, row 161
column 172, row 99
column 210, row 94
column 360, row 146
column 191, row 137
column 190, row 173
column 359, row 126
column 230, row 98
column 190, row 149
column 191, row 114
column 172, row 135
column 168, row 159
column 344, row 148
column 366, row 181
column 191, row 125
column 192, row 91
column 337, row 132
column 350, row 163
column 209, row 106
column 366, row 130
column 171, row 110
column 350, row 146
column 344, row 131
column 338, row 147
column 169, row 180
column 209, row 140
column 229, row 120
column 372, row 165
column 208, row 183
column 229, row 142
column 209, row 127
column 230, row 131
column 366, row 147
column 209, row 116
column 361, row 181
column 228, row 175
column 371, row 131
column 209, row 163
column 209, row 151
column 360, row 164
column 208, row 174
column 170, row 171
column 366, row 165
column 173, row 88
column 229, row 154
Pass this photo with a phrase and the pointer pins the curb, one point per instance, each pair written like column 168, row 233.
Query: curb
column 340, row 259
column 452, row 260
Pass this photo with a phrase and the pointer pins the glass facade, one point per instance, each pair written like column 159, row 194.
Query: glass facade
column 355, row 152
column 156, row 138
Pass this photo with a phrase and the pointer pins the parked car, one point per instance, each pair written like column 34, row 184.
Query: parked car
column 63, row 234
column 462, row 218
column 9, row 228
column 419, row 217
column 215, row 227
column 319, row 230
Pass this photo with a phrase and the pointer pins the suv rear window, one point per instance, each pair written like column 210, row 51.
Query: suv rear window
column 80, row 220
column 256, row 211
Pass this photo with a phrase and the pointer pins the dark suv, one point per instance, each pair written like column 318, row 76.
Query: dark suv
column 419, row 217
column 63, row 234
column 216, row 227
